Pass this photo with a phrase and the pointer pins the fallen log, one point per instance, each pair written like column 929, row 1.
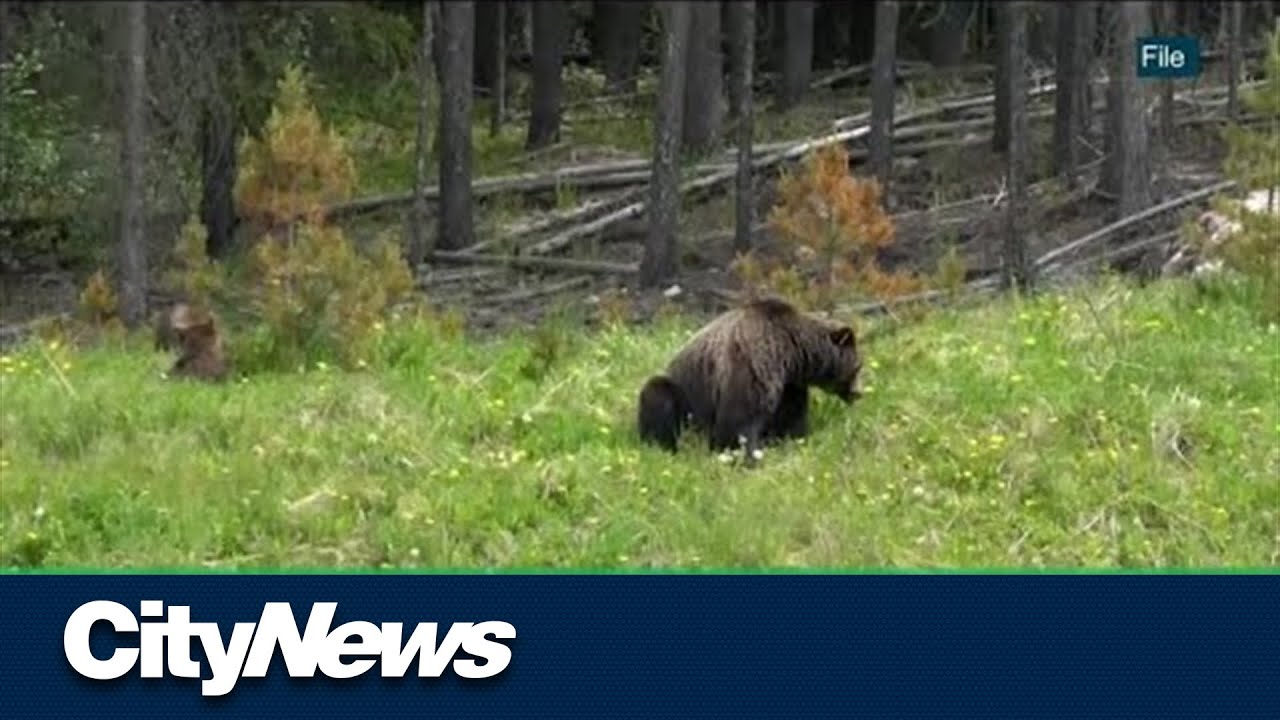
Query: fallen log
column 708, row 182
column 536, row 292
column 880, row 307
column 545, row 223
column 433, row 279
column 1042, row 264
column 594, row 176
column 1124, row 251
column 599, row 267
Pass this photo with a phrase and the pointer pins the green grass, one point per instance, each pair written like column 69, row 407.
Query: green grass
column 1024, row 433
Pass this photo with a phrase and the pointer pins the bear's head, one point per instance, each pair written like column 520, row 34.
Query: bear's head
column 843, row 366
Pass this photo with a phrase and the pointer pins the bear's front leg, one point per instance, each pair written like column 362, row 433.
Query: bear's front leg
column 791, row 419
column 741, row 427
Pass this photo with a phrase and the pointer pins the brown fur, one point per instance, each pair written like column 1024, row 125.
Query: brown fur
column 199, row 342
column 746, row 376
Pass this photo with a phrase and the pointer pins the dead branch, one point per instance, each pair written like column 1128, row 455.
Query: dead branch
column 1042, row 263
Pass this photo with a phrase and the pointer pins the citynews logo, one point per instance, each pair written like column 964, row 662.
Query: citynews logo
column 248, row 652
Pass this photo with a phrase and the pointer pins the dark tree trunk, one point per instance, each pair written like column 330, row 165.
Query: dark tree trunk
column 659, row 262
column 828, row 33
column 948, row 39
column 880, row 157
column 1042, row 30
column 744, row 12
column 1000, row 124
column 1071, row 106
column 418, row 245
column 218, row 143
column 522, row 30
column 1235, row 13
column 797, row 52
column 1129, row 161
column 1015, row 251
column 6, row 23
column 776, row 31
column 732, row 17
column 704, row 82
column 457, row 35
column 550, row 26
column 219, row 135
column 486, row 50
column 500, row 73
column 618, row 30
column 1167, row 25
column 133, row 253
column 861, row 33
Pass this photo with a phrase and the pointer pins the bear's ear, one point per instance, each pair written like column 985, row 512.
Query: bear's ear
column 842, row 337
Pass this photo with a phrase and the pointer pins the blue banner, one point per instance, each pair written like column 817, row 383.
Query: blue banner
column 1168, row 57
column 640, row 646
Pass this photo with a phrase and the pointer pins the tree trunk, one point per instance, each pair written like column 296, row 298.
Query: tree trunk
column 524, row 27
column 704, row 83
column 797, row 52
column 418, row 245
column 1015, row 251
column 861, row 33
column 744, row 12
column 218, row 144
column 1071, row 105
column 486, row 51
column 1000, row 124
column 659, row 261
column 133, row 252
column 457, row 33
column 880, row 142
column 5, row 23
column 499, row 72
column 948, row 39
column 550, row 25
column 1129, row 161
column 618, row 31
column 1235, row 12
column 732, row 17
column 1042, row 29
column 219, row 135
column 1167, row 25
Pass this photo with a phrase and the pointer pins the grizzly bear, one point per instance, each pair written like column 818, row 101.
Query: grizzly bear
column 744, row 378
column 199, row 342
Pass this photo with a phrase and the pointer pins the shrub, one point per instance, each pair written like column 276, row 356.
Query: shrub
column 832, row 226
column 319, row 299
column 297, row 167
column 308, row 294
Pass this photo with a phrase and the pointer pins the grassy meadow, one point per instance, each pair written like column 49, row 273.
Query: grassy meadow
column 1102, row 426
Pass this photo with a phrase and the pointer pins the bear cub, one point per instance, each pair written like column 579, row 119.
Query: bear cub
column 744, row 378
column 195, row 334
